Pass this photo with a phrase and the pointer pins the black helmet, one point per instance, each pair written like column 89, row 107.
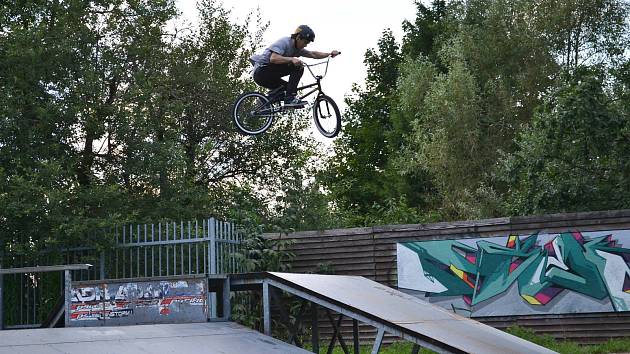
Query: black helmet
column 305, row 32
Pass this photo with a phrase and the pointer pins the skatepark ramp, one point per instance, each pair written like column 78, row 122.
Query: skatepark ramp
column 388, row 310
column 182, row 338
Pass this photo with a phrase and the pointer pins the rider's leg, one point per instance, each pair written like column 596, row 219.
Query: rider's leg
column 294, row 79
column 269, row 76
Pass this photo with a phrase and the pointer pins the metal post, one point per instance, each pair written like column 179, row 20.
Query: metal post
column 415, row 349
column 355, row 334
column 68, row 296
column 1, row 303
column 314, row 327
column 102, row 265
column 212, row 246
column 212, row 263
column 227, row 306
column 266, row 309
column 378, row 341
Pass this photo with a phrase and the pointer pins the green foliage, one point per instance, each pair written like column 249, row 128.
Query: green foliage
column 449, row 127
column 259, row 253
column 567, row 347
column 574, row 155
column 394, row 348
column 113, row 111
column 563, row 347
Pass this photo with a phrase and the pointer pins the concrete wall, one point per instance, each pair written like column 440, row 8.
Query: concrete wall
column 116, row 303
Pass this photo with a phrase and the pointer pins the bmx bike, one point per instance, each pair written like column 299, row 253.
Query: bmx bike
column 254, row 112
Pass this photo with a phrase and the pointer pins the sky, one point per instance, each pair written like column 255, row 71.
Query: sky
column 350, row 26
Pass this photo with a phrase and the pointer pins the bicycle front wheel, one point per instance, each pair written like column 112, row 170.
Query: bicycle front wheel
column 327, row 117
column 253, row 113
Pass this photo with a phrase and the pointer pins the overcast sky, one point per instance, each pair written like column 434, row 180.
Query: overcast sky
column 350, row 26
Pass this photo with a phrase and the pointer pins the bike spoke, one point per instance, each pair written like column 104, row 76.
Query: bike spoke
column 253, row 113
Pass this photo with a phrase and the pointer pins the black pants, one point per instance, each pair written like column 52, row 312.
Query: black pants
column 270, row 76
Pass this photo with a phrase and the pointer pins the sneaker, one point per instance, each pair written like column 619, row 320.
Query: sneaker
column 294, row 102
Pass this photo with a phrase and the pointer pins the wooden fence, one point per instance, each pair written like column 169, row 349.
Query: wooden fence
column 371, row 252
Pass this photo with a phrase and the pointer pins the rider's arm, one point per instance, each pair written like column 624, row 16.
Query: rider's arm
column 279, row 59
column 319, row 55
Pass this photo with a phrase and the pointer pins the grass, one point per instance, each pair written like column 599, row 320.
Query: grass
column 566, row 347
column 562, row 347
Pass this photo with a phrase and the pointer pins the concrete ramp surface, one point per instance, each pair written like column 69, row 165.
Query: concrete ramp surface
column 402, row 314
column 213, row 337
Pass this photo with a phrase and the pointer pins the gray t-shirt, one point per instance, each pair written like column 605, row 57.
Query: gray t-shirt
column 283, row 46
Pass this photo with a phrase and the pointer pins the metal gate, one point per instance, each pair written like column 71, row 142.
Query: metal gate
column 139, row 251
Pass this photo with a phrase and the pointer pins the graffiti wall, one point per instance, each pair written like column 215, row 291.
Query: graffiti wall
column 562, row 273
column 138, row 302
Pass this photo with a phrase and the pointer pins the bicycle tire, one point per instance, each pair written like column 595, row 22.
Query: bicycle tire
column 245, row 114
column 327, row 121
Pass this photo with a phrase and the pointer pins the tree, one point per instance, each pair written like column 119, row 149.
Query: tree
column 574, row 156
column 584, row 32
column 108, row 115
column 355, row 174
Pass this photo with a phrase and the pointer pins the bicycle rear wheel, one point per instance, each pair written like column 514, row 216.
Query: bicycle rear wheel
column 253, row 113
column 327, row 117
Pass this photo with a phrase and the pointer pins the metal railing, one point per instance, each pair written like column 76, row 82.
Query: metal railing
column 139, row 251
column 67, row 277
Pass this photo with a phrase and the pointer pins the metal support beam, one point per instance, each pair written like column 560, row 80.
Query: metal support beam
column 415, row 349
column 212, row 264
column 355, row 315
column 355, row 335
column 266, row 309
column 336, row 334
column 227, row 305
column 378, row 341
column 314, row 327
column 1, row 304
column 45, row 269
column 68, row 296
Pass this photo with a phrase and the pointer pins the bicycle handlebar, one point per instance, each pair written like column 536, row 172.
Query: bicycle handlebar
column 308, row 66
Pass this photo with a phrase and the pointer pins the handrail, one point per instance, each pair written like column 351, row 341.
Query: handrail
column 44, row 269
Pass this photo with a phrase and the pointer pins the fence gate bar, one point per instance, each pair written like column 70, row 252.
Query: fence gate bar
column 266, row 309
column 68, row 295
column 1, row 300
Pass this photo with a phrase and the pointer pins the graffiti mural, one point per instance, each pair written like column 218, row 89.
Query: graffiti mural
column 521, row 274
column 139, row 302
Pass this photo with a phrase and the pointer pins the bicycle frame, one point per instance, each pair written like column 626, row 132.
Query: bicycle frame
column 318, row 79
column 317, row 84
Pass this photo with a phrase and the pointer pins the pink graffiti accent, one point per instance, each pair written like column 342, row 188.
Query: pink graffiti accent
column 515, row 265
column 547, row 295
column 578, row 237
column 471, row 257
column 551, row 252
column 467, row 299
